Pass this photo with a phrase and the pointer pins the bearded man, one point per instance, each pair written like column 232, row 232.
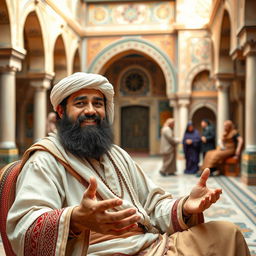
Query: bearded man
column 79, row 194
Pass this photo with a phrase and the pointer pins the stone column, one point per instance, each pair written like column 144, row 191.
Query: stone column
column 249, row 154
column 174, row 104
column 183, row 116
column 223, row 104
column 41, row 83
column 10, row 63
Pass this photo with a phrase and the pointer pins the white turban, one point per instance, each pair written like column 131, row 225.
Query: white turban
column 80, row 80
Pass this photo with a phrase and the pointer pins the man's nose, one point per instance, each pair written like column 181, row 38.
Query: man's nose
column 89, row 109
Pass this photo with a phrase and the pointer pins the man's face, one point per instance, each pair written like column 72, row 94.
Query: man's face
column 86, row 102
column 203, row 124
column 83, row 129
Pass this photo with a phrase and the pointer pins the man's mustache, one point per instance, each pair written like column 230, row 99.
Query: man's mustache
column 93, row 117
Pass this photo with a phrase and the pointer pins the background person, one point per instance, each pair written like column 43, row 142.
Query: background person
column 230, row 145
column 191, row 148
column 168, row 148
column 80, row 194
column 51, row 122
column 208, row 136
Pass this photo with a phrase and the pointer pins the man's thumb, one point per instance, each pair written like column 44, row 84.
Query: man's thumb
column 204, row 177
column 92, row 189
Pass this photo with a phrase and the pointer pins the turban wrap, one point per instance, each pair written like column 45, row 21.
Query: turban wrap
column 80, row 80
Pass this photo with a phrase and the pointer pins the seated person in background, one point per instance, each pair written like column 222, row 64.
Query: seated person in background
column 229, row 145
column 97, row 200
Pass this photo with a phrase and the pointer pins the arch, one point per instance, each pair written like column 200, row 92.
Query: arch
column 193, row 72
column 5, row 29
column 60, row 59
column 199, row 105
column 33, row 43
column 76, row 62
column 144, row 47
column 225, row 64
column 201, row 113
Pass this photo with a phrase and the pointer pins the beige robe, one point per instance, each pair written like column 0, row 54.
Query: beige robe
column 38, row 222
column 168, row 150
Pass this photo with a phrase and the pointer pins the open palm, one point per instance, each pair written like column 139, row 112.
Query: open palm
column 201, row 197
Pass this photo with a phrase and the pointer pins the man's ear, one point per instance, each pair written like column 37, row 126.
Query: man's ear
column 60, row 111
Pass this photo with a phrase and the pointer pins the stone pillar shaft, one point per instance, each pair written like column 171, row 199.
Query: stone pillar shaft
column 223, row 105
column 183, row 116
column 250, row 103
column 249, row 155
column 174, row 105
column 10, row 63
column 39, row 113
column 40, row 105
column 7, row 110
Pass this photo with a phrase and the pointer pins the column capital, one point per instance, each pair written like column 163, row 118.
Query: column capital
column 40, row 80
column 223, row 80
column 10, row 59
column 183, row 102
column 250, row 48
column 183, row 99
column 173, row 103
column 246, row 36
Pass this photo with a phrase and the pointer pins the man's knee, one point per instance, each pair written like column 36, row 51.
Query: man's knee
column 224, row 226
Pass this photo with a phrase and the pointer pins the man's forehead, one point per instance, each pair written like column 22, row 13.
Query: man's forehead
column 87, row 93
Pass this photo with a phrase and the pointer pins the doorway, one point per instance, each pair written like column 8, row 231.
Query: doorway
column 135, row 128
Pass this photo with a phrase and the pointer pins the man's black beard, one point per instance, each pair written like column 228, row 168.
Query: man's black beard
column 91, row 141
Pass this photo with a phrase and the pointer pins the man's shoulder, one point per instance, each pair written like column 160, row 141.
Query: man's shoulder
column 117, row 150
column 41, row 156
column 166, row 129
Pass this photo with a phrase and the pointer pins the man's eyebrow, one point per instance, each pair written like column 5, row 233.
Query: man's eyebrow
column 85, row 97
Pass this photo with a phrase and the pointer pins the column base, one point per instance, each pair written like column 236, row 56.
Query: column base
column 8, row 155
column 248, row 174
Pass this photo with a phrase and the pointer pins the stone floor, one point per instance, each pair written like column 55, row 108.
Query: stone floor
column 237, row 203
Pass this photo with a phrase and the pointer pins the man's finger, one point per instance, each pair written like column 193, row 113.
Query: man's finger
column 108, row 204
column 204, row 177
column 121, row 215
column 92, row 189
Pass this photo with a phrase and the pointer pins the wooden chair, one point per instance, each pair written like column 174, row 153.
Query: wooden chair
column 8, row 178
column 231, row 167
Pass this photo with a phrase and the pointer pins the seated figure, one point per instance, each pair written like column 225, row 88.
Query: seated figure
column 230, row 145
column 81, row 194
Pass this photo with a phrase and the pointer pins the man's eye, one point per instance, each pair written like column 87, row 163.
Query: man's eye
column 79, row 104
column 98, row 104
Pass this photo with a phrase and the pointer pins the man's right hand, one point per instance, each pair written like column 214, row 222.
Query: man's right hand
column 99, row 215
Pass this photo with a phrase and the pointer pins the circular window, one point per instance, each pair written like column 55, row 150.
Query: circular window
column 134, row 82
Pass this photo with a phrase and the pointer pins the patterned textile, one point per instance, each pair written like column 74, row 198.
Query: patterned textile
column 41, row 237
column 8, row 177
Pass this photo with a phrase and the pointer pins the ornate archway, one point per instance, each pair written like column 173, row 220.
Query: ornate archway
column 145, row 48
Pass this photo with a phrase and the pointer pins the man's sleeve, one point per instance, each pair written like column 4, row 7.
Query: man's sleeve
column 38, row 221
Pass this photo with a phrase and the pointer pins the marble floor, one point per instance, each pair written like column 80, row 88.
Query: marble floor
column 237, row 203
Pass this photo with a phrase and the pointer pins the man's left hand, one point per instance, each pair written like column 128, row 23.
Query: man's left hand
column 201, row 197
